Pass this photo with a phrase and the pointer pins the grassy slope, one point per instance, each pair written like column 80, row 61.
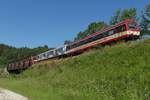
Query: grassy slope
column 121, row 72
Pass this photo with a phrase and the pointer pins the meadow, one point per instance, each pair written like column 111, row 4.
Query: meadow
column 119, row 72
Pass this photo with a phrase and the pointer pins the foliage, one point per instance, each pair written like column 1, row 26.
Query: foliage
column 121, row 15
column 116, row 18
column 10, row 54
column 120, row 72
column 145, row 20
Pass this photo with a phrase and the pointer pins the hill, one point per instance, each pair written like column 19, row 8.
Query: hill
column 119, row 72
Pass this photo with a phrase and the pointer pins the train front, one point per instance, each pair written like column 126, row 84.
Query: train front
column 133, row 29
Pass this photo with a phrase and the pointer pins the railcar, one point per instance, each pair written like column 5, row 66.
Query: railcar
column 52, row 53
column 21, row 65
column 127, row 29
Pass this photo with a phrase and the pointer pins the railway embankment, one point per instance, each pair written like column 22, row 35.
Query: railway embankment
column 119, row 72
column 3, row 72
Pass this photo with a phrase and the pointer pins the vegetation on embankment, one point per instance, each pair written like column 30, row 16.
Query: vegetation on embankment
column 120, row 72
column 9, row 54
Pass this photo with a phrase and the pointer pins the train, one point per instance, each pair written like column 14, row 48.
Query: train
column 125, row 30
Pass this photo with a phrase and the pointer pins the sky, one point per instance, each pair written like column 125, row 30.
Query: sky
column 33, row 23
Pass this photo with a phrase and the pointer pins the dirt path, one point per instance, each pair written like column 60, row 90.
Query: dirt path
column 8, row 95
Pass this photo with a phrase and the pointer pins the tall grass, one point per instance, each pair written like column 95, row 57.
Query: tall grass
column 120, row 72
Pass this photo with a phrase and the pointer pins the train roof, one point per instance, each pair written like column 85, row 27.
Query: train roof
column 51, row 50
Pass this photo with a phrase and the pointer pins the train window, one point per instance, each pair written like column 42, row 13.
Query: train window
column 117, row 29
column 111, row 32
column 90, row 40
column 44, row 55
column 123, row 28
column 104, row 34
column 132, row 26
column 84, row 42
column 99, row 36
column 52, row 52
column 94, row 38
column 49, row 53
column 81, row 43
column 78, row 44
column 39, row 58
column 120, row 29
column 68, row 47
column 60, row 49
column 71, row 46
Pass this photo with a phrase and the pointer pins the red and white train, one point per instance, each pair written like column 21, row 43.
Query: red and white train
column 125, row 30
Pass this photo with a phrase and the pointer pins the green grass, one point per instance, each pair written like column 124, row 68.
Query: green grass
column 120, row 72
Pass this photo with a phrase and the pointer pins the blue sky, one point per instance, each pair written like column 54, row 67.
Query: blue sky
column 35, row 23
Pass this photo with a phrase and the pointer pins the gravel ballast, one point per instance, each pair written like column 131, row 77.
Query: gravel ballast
column 9, row 95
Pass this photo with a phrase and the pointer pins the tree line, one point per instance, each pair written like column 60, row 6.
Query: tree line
column 9, row 54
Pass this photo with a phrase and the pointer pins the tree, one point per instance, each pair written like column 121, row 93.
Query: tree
column 116, row 18
column 121, row 15
column 145, row 19
column 10, row 54
column 129, row 14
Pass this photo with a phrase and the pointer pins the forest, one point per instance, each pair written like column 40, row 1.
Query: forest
column 9, row 54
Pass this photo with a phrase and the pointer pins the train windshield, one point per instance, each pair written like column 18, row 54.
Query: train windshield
column 132, row 25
